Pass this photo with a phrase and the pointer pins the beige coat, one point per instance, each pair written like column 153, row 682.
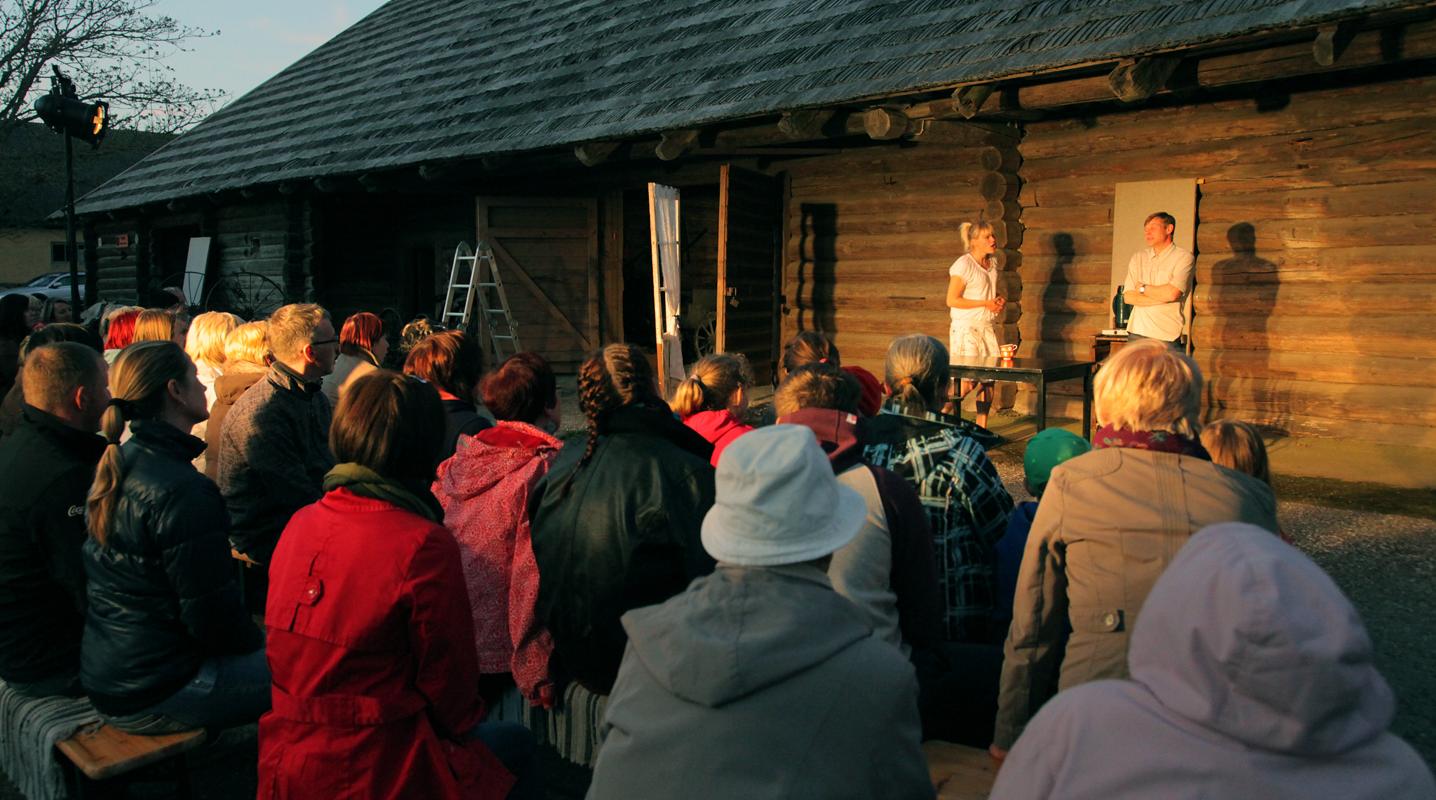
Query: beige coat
column 1108, row 524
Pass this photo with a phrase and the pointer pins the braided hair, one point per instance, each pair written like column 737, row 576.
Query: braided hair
column 616, row 376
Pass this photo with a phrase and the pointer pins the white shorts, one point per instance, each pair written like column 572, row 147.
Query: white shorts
column 972, row 341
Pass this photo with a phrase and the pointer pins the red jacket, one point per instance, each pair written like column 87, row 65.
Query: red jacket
column 485, row 490
column 720, row 428
column 371, row 650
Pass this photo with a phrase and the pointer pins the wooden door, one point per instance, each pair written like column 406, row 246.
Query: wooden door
column 546, row 249
column 749, row 221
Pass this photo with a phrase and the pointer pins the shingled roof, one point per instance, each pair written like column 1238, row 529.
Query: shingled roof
column 428, row 80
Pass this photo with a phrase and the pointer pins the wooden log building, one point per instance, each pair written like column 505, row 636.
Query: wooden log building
column 827, row 152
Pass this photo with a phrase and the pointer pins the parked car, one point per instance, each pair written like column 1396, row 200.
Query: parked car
column 54, row 285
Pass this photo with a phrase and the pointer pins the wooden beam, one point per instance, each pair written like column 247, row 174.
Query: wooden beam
column 328, row 184
column 249, row 192
column 1331, row 42
column 591, row 154
column 959, row 132
column 885, row 124
column 675, row 143
column 374, row 183
column 1136, row 79
column 433, row 172
column 805, row 123
column 969, row 99
column 999, row 186
column 178, row 204
column 999, row 159
column 287, row 188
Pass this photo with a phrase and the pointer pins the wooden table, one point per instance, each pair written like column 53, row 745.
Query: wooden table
column 1037, row 371
column 959, row 772
column 1105, row 344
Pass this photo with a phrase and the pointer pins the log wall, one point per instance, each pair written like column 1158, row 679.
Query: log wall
column 1315, row 252
column 871, row 232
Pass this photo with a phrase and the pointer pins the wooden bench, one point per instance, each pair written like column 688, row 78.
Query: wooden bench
column 102, row 752
column 959, row 772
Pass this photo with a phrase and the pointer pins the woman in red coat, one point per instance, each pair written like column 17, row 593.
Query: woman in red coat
column 371, row 644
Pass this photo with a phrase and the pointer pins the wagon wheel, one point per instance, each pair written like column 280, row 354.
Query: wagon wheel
column 250, row 295
column 705, row 337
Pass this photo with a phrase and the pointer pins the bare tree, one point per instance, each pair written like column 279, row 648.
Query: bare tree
column 114, row 50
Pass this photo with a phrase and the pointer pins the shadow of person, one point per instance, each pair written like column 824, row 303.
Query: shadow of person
column 817, row 268
column 1243, row 292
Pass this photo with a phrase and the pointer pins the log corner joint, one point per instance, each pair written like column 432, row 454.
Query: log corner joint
column 885, row 124
column 805, row 124
column 591, row 154
column 1331, row 41
column 1136, row 79
column 673, row 144
column 969, row 99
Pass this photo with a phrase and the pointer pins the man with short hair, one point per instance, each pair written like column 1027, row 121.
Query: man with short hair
column 1158, row 280
column 760, row 680
column 274, row 448
column 49, row 465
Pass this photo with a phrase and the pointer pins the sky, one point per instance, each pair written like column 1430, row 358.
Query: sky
column 257, row 38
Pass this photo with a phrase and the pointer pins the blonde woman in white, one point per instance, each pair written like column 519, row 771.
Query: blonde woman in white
column 974, row 307
column 204, row 344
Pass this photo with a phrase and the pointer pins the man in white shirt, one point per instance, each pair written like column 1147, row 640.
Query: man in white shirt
column 1158, row 280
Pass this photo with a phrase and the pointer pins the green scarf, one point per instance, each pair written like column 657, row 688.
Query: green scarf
column 365, row 482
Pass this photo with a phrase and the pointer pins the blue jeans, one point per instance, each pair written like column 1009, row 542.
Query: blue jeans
column 227, row 691
column 515, row 747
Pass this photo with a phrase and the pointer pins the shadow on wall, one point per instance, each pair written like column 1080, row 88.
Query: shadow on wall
column 1243, row 294
column 817, row 268
column 1056, row 326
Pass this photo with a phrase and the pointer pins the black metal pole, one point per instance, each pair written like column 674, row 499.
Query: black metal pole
column 70, row 249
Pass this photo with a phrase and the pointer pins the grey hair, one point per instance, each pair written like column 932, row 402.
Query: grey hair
column 916, row 372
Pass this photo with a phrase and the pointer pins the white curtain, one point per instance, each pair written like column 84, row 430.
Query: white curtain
column 664, row 215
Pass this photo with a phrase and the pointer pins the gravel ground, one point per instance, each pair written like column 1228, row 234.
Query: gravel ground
column 1386, row 564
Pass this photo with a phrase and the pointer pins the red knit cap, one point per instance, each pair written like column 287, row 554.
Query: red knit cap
column 871, row 398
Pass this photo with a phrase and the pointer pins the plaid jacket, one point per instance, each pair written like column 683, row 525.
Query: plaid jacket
column 967, row 507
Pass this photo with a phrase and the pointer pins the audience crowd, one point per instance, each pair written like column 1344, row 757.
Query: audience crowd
column 393, row 564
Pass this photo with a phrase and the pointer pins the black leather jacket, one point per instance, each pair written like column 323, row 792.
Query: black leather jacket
column 621, row 532
column 46, row 468
column 163, row 589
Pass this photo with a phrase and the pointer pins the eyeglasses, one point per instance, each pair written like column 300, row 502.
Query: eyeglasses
column 325, row 341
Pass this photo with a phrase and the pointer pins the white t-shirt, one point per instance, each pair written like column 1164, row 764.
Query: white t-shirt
column 981, row 284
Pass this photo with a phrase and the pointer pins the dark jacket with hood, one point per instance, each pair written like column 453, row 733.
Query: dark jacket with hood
column 760, row 683
column 163, row 591
column 273, row 455
column 620, row 532
column 1252, row 677
column 48, row 468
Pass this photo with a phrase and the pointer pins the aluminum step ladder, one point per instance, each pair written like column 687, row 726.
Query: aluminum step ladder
column 477, row 275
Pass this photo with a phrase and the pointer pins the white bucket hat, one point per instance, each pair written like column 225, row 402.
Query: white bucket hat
column 778, row 501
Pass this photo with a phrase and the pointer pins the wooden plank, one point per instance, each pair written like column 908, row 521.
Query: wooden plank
column 513, row 268
column 102, row 751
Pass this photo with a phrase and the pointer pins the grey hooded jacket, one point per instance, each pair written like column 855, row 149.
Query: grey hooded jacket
column 760, row 683
column 1252, row 677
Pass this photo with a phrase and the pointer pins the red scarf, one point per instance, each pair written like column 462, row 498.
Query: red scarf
column 1160, row 441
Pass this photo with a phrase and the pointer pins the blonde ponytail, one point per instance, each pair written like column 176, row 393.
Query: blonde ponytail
column 137, row 383
column 964, row 232
column 916, row 370
column 714, row 379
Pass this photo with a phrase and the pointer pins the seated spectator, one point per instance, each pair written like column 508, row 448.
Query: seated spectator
column 274, row 449
column 13, row 330
column 246, row 360
column 120, row 332
column 616, row 520
column 1109, row 522
column 759, row 680
column 485, row 489
column 967, row 504
column 450, row 360
column 204, row 344
column 712, row 399
column 370, row 635
column 1237, row 445
column 56, row 310
column 154, row 325
column 808, row 347
column 887, row 570
column 414, row 331
column 1251, row 676
column 13, row 406
column 48, row 464
column 362, row 348
column 1044, row 452
column 167, row 644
